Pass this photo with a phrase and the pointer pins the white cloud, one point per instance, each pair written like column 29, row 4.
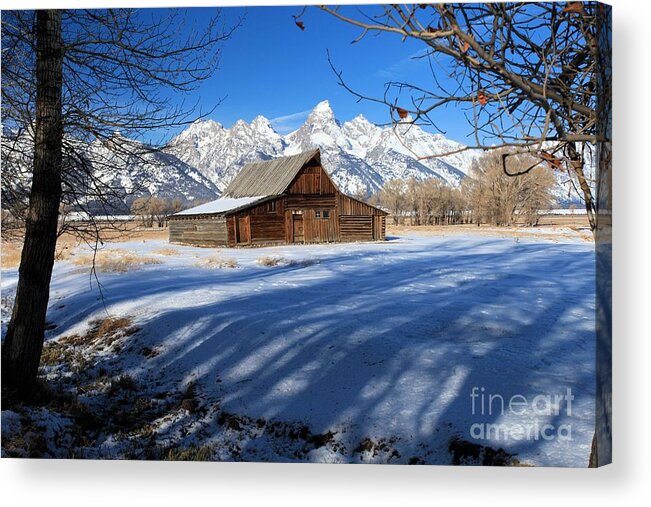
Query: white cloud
column 289, row 123
column 400, row 67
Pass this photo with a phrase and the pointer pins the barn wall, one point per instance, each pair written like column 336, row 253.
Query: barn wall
column 311, row 201
column 265, row 223
column 198, row 231
column 267, row 229
column 349, row 206
column 230, row 228
column 379, row 227
column 359, row 221
column 320, row 230
column 312, row 180
column 356, row 227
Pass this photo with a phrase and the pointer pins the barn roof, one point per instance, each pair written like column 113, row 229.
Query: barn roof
column 268, row 178
column 221, row 205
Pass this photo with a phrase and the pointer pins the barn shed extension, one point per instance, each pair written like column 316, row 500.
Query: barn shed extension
column 286, row 200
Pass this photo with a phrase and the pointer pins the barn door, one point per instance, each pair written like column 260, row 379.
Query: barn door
column 243, row 232
column 297, row 227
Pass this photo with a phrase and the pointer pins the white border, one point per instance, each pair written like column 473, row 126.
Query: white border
column 32, row 482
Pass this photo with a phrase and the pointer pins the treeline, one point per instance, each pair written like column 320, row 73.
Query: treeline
column 488, row 195
column 155, row 210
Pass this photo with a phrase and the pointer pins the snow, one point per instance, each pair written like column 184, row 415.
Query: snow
column 221, row 205
column 566, row 211
column 381, row 341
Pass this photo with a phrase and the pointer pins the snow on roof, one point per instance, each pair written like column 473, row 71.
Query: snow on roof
column 221, row 205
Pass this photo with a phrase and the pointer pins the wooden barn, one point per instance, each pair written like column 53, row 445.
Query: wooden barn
column 286, row 200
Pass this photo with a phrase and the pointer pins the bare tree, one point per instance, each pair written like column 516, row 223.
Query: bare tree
column 524, row 73
column 69, row 79
column 427, row 202
column 152, row 210
column 393, row 196
column 159, row 209
column 140, row 209
column 496, row 198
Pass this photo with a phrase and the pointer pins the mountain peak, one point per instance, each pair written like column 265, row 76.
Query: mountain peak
column 262, row 124
column 260, row 120
column 360, row 119
column 240, row 124
column 203, row 126
column 206, row 123
column 323, row 106
column 322, row 113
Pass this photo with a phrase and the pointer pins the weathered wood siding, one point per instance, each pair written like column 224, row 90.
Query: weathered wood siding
column 349, row 206
column 379, row 227
column 207, row 231
column 312, row 179
column 230, row 227
column 359, row 221
column 267, row 229
column 320, row 230
column 263, row 224
column 296, row 202
column 356, row 227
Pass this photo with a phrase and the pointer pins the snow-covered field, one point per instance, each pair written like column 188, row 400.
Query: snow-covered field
column 370, row 352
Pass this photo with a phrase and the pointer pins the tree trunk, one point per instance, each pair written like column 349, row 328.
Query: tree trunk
column 602, row 440
column 23, row 344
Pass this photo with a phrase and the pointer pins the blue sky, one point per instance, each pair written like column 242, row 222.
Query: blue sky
column 272, row 68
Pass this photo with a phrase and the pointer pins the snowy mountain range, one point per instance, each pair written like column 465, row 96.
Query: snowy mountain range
column 200, row 162
column 359, row 156
column 107, row 174
column 136, row 171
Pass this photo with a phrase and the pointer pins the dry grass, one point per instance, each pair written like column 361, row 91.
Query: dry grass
column 192, row 453
column 67, row 242
column 104, row 334
column 277, row 261
column 11, row 251
column 166, row 252
column 115, row 260
column 122, row 383
column 217, row 262
column 11, row 254
column 271, row 261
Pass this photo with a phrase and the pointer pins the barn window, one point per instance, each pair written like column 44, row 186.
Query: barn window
column 317, row 214
column 271, row 207
column 326, row 213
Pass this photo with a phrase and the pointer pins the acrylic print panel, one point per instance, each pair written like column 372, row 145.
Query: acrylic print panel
column 395, row 251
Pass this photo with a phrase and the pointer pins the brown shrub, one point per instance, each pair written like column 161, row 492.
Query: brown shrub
column 115, row 260
column 166, row 251
column 271, row 261
column 217, row 262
